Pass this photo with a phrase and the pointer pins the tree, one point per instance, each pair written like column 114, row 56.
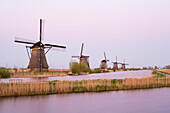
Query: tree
column 76, row 68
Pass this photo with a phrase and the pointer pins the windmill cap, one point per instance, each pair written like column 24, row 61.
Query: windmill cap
column 37, row 44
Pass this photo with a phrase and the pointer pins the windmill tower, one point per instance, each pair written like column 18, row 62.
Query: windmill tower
column 124, row 65
column 83, row 59
column 38, row 60
column 115, row 64
column 103, row 64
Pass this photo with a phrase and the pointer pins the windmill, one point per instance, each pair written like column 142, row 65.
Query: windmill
column 115, row 64
column 124, row 65
column 38, row 60
column 103, row 64
column 83, row 59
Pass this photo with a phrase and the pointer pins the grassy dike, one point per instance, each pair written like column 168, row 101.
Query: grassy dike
column 54, row 87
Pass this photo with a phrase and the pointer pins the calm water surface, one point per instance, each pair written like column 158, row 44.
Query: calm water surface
column 138, row 101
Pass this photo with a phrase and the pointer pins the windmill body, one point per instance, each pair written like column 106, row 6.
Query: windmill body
column 115, row 64
column 83, row 59
column 103, row 64
column 37, row 54
column 124, row 65
column 38, row 60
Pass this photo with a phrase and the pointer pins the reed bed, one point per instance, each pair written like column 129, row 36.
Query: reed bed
column 53, row 87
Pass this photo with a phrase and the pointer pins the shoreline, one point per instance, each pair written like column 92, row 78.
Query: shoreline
column 64, row 87
column 86, row 92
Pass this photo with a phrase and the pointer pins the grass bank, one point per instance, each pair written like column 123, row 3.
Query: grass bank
column 38, row 74
column 164, row 72
column 158, row 74
column 54, row 87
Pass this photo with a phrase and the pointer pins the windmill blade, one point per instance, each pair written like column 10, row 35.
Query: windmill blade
column 57, row 49
column 28, row 52
column 25, row 41
column 124, row 61
column 42, row 24
column 40, row 30
column 75, row 56
column 40, row 46
column 116, row 58
column 105, row 56
column 18, row 41
column 82, row 49
column 85, row 56
column 58, row 46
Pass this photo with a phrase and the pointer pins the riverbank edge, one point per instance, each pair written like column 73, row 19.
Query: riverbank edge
column 105, row 89
column 38, row 94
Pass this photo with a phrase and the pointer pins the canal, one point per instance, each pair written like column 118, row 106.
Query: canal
column 131, row 101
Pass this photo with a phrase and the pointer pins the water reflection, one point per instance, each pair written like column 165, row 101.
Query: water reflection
column 138, row 101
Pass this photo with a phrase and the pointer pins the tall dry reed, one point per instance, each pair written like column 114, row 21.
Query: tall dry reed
column 44, row 87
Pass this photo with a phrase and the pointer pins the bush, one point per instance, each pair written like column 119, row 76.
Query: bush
column 109, row 68
column 97, row 70
column 4, row 72
column 76, row 68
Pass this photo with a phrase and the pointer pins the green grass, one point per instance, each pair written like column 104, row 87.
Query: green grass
column 165, row 72
column 4, row 72
column 133, row 69
column 158, row 74
column 97, row 71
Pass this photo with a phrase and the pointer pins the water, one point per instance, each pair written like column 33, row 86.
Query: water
column 137, row 101
column 112, row 75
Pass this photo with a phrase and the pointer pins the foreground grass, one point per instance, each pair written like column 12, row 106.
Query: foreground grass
column 54, row 87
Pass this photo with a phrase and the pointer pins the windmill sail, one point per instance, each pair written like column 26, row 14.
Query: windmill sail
column 58, row 46
column 38, row 60
column 83, row 59
column 25, row 42
column 82, row 49
column 40, row 30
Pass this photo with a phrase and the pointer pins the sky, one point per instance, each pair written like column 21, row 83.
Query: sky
column 135, row 30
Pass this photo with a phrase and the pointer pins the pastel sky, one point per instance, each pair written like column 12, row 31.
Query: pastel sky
column 135, row 30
